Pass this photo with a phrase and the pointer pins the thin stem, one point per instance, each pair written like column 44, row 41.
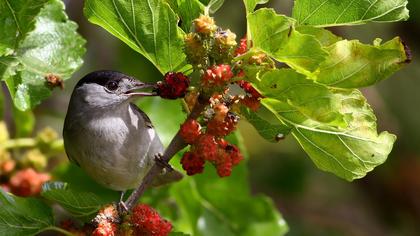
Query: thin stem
column 63, row 231
column 175, row 146
column 19, row 143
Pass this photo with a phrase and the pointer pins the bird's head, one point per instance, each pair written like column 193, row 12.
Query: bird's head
column 105, row 89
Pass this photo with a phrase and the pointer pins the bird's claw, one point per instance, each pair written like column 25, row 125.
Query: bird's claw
column 163, row 164
column 122, row 208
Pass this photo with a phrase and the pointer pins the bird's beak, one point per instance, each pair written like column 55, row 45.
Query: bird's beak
column 137, row 85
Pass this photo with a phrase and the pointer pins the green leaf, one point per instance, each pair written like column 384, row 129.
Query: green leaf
column 251, row 4
column 325, row 37
column 82, row 205
column 275, row 35
column 17, row 18
column 53, row 47
column 210, row 205
column 352, row 64
column 187, row 10
column 23, row 216
column 348, row 152
column 266, row 129
column 148, row 26
column 324, row 13
column 313, row 100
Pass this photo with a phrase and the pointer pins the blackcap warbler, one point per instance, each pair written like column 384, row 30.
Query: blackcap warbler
column 109, row 137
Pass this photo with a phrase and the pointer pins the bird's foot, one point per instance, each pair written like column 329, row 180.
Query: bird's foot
column 163, row 164
column 122, row 208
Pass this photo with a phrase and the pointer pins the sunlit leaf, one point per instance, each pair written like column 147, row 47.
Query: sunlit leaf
column 348, row 12
column 275, row 35
column 17, row 18
column 148, row 26
column 251, row 4
column 352, row 64
column 51, row 48
column 187, row 10
column 348, row 152
column 313, row 100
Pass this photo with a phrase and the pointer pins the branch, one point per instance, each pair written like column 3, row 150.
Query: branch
column 176, row 145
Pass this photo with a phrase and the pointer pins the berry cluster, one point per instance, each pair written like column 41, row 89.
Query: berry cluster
column 211, row 51
column 143, row 220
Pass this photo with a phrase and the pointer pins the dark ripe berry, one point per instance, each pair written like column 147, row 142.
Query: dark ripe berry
column 204, row 25
column 190, row 131
column 217, row 75
column 222, row 128
column 206, row 147
column 147, row 221
column 192, row 163
column 242, row 47
column 174, row 85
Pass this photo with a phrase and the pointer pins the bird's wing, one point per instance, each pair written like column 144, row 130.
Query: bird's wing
column 146, row 119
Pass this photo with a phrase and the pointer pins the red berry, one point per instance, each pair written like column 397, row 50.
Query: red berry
column 147, row 221
column 253, row 97
column 174, row 85
column 224, row 165
column 192, row 163
column 206, row 147
column 217, row 75
column 27, row 182
column 242, row 47
column 234, row 153
column 105, row 229
column 190, row 131
column 249, row 89
column 224, row 127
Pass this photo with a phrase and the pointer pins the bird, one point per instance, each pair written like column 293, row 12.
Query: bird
column 108, row 136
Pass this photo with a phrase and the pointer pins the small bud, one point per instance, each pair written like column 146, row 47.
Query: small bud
column 204, row 25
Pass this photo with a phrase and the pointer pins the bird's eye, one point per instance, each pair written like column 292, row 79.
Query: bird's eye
column 112, row 85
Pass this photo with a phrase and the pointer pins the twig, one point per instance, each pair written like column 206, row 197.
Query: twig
column 175, row 146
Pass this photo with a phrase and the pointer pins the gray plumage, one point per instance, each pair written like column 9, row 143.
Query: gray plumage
column 108, row 136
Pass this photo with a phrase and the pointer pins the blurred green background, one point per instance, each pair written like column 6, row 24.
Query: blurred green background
column 385, row 202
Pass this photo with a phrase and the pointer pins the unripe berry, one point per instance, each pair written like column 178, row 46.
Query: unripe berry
column 174, row 85
column 223, row 47
column 195, row 50
column 217, row 75
column 192, row 163
column 204, row 25
column 190, row 130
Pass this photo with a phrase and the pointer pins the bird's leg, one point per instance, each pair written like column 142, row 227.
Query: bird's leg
column 163, row 164
column 122, row 208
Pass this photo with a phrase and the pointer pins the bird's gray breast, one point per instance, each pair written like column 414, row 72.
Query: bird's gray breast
column 116, row 148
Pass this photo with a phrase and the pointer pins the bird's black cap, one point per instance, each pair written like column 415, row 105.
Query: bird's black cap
column 101, row 77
